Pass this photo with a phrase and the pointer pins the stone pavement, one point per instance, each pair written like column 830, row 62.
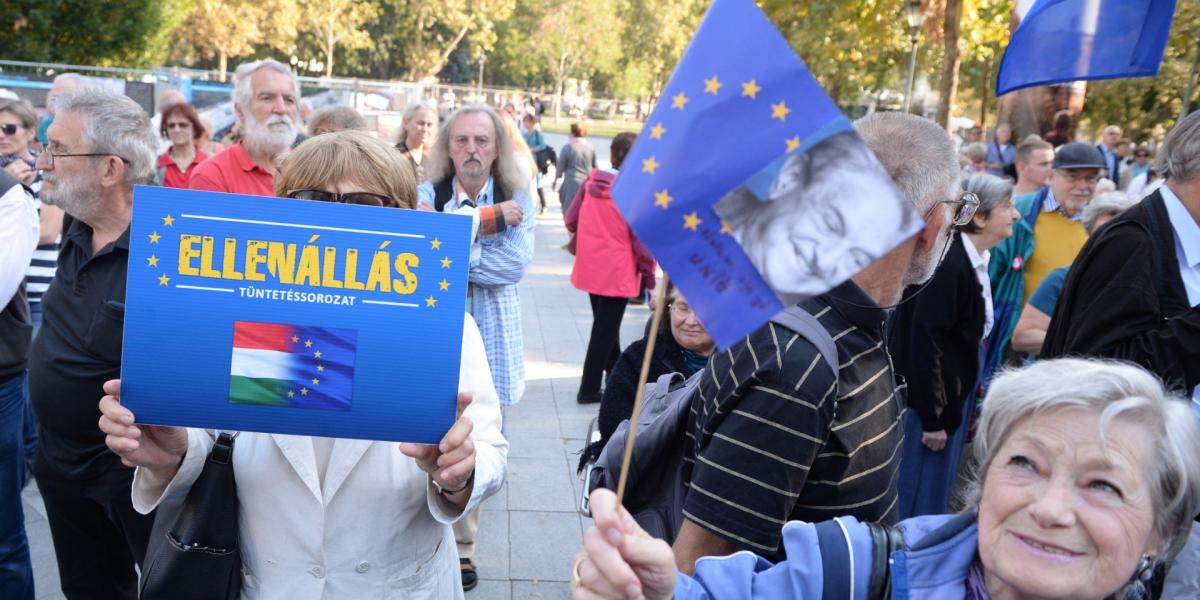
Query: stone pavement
column 530, row 531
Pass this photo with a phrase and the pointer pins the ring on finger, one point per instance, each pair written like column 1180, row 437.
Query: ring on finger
column 576, row 578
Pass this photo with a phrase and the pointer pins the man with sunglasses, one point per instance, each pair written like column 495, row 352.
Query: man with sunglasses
column 1048, row 236
column 98, row 147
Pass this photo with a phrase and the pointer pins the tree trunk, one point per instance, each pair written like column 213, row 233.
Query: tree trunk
column 222, row 64
column 950, row 61
column 986, row 86
column 1191, row 85
column 330, row 41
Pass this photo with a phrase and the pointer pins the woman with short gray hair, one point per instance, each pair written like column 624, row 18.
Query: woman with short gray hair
column 1089, row 475
column 934, row 344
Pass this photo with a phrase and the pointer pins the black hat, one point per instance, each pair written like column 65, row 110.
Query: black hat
column 1078, row 155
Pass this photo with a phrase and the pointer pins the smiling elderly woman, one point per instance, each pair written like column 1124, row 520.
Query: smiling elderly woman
column 1090, row 475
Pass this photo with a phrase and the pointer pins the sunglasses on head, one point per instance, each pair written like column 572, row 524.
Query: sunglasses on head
column 9, row 128
column 362, row 198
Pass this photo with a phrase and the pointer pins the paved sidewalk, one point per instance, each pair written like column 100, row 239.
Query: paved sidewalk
column 530, row 531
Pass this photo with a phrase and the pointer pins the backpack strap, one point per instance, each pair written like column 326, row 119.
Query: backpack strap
column 837, row 560
column 807, row 326
column 444, row 190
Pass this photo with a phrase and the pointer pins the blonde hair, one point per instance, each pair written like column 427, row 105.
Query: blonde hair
column 520, row 147
column 349, row 155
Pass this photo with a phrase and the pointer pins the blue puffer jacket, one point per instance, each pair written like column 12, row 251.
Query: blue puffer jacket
column 934, row 566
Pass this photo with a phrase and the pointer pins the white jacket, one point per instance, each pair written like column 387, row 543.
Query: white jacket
column 377, row 529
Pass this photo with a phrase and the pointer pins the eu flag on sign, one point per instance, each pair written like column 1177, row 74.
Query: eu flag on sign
column 1075, row 40
column 748, row 184
column 275, row 364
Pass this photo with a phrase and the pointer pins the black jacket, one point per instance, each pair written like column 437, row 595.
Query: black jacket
column 935, row 340
column 1124, row 298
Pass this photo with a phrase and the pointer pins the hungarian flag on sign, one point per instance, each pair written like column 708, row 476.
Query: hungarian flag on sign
column 291, row 365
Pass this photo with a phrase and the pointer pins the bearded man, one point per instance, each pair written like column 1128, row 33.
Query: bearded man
column 265, row 97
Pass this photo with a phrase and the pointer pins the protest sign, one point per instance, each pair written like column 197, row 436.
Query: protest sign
column 246, row 313
column 749, row 185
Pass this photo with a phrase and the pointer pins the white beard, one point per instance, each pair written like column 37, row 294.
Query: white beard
column 272, row 137
column 72, row 195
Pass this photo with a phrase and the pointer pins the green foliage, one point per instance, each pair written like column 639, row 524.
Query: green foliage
column 131, row 33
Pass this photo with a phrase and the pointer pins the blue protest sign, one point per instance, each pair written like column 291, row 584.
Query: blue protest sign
column 246, row 313
column 749, row 185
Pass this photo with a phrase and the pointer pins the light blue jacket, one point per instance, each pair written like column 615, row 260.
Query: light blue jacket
column 933, row 567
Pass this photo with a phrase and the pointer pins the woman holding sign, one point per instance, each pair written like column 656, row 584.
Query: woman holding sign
column 338, row 518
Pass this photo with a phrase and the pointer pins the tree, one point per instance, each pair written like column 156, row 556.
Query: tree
column 232, row 28
column 950, row 61
column 575, row 38
column 428, row 32
column 655, row 36
column 334, row 23
column 131, row 33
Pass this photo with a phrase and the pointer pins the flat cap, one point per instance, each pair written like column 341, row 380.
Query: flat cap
column 1079, row 155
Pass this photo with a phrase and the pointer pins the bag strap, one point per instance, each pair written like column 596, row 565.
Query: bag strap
column 444, row 190
column 885, row 540
column 807, row 326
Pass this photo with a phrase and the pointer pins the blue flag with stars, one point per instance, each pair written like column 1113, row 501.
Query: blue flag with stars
column 1088, row 39
column 748, row 184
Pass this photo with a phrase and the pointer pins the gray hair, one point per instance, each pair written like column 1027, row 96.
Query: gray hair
column 336, row 117
column 114, row 124
column 1108, row 204
column 504, row 169
column 410, row 111
column 975, row 151
column 916, row 153
column 241, row 78
column 990, row 190
column 1114, row 390
column 1179, row 156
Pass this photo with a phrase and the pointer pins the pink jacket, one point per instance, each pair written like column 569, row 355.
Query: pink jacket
column 609, row 259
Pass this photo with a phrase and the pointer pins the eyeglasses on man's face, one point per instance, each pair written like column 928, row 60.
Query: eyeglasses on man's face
column 52, row 154
column 965, row 207
column 362, row 198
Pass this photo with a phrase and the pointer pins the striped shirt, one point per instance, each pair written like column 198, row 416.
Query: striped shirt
column 45, row 258
column 776, row 436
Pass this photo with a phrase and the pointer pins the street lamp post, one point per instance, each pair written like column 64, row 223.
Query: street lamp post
column 916, row 16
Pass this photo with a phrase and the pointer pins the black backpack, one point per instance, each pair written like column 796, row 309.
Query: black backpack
column 655, row 488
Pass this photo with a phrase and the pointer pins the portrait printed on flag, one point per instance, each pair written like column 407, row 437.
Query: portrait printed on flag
column 245, row 313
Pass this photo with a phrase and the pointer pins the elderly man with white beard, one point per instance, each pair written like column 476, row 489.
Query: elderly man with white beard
column 265, row 97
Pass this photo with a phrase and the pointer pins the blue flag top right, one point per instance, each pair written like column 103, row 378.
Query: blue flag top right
column 1076, row 40
column 749, row 185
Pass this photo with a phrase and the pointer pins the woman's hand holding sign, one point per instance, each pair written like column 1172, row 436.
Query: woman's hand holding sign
column 157, row 448
column 451, row 463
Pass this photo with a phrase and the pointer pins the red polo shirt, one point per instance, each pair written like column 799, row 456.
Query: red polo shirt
column 172, row 176
column 232, row 171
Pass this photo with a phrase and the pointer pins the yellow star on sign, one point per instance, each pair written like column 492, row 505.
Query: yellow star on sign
column 163, row 279
column 446, row 263
column 725, row 227
column 303, row 391
column 291, row 393
column 316, row 381
column 793, row 143
column 317, row 354
column 168, row 221
column 751, row 89
column 662, row 198
column 436, row 244
column 153, row 260
column 691, row 221
column 154, row 237
column 712, row 85
column 443, row 285
column 308, row 343
column 295, row 339
column 679, row 100
column 657, row 131
column 780, row 111
column 431, row 302
column 320, row 368
column 649, row 165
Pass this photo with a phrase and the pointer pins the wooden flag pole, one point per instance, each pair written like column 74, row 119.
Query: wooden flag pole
column 660, row 301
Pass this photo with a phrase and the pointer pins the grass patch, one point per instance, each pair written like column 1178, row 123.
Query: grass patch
column 606, row 129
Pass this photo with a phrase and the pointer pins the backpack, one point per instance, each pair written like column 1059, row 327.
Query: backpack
column 545, row 157
column 655, row 488
column 444, row 190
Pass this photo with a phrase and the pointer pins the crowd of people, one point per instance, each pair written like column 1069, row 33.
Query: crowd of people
column 1005, row 413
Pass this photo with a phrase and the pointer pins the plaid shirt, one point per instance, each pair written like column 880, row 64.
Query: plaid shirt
column 497, row 265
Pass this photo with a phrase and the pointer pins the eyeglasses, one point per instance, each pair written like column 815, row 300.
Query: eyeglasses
column 9, row 128
column 968, row 205
column 362, row 198
column 52, row 155
column 681, row 308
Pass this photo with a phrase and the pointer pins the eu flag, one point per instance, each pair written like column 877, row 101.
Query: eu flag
column 276, row 364
column 1075, row 40
column 748, row 184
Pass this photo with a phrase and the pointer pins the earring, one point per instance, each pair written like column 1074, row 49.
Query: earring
column 1145, row 568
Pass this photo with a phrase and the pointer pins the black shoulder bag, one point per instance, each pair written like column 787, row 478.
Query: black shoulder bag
column 195, row 555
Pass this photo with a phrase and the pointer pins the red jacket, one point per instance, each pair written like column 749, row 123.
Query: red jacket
column 609, row 259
